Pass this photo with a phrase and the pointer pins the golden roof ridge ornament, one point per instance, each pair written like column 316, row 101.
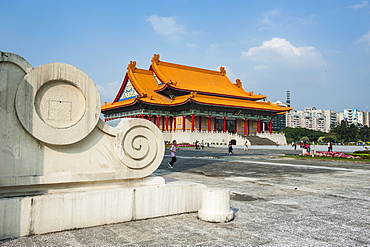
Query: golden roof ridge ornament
column 223, row 70
column 143, row 95
column 155, row 58
column 192, row 95
column 132, row 65
column 171, row 83
column 238, row 83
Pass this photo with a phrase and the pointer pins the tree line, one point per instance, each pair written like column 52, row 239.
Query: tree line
column 340, row 132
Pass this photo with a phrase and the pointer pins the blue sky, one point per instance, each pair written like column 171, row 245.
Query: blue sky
column 318, row 50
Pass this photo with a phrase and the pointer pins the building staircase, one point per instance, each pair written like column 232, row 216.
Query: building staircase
column 256, row 140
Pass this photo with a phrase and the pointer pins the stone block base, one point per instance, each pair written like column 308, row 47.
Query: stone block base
column 215, row 205
column 38, row 214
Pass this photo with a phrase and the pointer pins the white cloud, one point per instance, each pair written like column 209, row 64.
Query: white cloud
column 191, row 45
column 267, row 16
column 281, row 52
column 166, row 26
column 362, row 5
column 260, row 67
column 365, row 38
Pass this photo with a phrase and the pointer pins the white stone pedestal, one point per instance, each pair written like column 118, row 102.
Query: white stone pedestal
column 63, row 210
column 216, row 205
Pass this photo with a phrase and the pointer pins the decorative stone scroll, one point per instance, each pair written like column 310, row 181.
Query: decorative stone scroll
column 138, row 144
column 62, row 167
column 53, row 134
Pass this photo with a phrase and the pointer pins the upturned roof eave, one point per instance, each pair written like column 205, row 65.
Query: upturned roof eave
column 167, row 85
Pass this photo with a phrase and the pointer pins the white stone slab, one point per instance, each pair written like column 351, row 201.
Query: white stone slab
column 40, row 214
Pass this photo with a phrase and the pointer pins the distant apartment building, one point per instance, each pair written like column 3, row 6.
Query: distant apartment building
column 354, row 116
column 311, row 118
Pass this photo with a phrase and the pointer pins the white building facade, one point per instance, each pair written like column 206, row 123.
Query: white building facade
column 354, row 116
column 311, row 118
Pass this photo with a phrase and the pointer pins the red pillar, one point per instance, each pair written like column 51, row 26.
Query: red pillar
column 167, row 123
column 149, row 117
column 209, row 123
column 215, row 124
column 200, row 123
column 158, row 121
column 258, row 126
column 270, row 126
column 245, row 126
column 192, row 122
column 183, row 123
column 248, row 127
column 163, row 126
column 225, row 124
column 174, row 124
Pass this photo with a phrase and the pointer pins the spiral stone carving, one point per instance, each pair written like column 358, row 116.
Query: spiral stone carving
column 139, row 143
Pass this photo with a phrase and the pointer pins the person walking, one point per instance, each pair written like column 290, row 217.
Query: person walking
column 230, row 148
column 173, row 150
column 246, row 146
column 294, row 145
column 330, row 147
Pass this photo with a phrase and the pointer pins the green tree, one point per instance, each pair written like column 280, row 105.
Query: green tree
column 346, row 132
column 305, row 139
column 364, row 133
column 296, row 134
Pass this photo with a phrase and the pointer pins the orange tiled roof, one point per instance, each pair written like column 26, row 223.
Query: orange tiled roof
column 189, row 79
column 199, row 80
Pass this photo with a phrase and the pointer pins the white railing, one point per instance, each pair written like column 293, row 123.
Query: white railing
column 190, row 136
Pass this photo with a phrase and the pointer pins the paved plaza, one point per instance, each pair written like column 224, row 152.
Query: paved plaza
column 277, row 202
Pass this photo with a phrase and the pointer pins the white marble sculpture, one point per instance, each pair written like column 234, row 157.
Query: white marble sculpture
column 62, row 167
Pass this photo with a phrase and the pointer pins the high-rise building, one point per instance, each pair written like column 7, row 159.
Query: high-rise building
column 354, row 116
column 311, row 118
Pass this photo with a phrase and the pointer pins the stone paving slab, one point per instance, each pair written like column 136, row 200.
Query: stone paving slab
column 277, row 202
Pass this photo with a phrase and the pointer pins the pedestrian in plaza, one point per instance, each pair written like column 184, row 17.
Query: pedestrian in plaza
column 330, row 147
column 294, row 145
column 202, row 144
column 196, row 144
column 173, row 150
column 246, row 146
column 230, row 148
column 307, row 147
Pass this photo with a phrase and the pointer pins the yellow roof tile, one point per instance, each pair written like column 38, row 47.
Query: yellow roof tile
column 193, row 79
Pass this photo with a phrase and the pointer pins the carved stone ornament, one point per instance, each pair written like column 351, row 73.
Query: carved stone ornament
column 143, row 95
column 223, row 70
column 132, row 65
column 238, row 83
column 192, row 95
column 155, row 58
